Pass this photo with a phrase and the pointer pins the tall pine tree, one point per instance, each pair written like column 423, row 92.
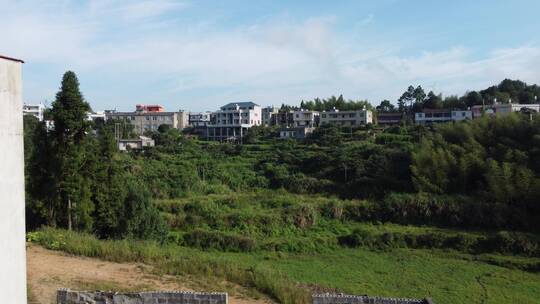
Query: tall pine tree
column 72, row 174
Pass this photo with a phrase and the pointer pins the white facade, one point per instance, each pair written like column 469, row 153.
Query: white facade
column 135, row 144
column 35, row 110
column 243, row 114
column 12, row 227
column 443, row 115
column 233, row 120
column 303, row 118
column 502, row 109
column 93, row 116
column 347, row 118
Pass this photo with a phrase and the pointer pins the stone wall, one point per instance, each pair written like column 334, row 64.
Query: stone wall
column 66, row 296
column 348, row 299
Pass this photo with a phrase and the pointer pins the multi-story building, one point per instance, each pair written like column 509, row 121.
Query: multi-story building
column 441, row 115
column 199, row 119
column 347, row 118
column 269, row 116
column 93, row 116
column 305, row 118
column 502, row 109
column 35, row 110
column 149, row 118
column 283, row 118
column 233, row 120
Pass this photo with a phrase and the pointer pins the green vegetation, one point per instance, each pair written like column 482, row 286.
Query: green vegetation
column 448, row 277
column 448, row 211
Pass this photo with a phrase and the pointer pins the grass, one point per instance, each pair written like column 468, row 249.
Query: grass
column 448, row 277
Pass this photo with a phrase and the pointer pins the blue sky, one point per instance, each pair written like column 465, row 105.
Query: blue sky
column 198, row 55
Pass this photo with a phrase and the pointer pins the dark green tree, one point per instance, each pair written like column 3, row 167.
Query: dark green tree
column 386, row 106
column 69, row 134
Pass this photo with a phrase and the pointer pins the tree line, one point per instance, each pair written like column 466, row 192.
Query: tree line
column 481, row 173
column 73, row 178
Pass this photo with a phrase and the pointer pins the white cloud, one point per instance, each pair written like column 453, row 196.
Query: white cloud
column 273, row 61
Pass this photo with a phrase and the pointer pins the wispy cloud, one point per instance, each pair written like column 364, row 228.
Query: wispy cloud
column 271, row 61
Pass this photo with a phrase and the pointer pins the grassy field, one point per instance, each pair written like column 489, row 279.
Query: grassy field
column 446, row 276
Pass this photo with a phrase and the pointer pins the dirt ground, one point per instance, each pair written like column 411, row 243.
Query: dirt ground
column 50, row 270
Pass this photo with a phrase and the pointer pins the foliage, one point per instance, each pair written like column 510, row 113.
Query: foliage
column 74, row 178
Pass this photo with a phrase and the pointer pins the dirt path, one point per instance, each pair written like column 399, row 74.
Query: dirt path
column 50, row 270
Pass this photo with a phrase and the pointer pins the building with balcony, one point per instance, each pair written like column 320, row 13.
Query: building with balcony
column 35, row 110
column 95, row 116
column 305, row 118
column 428, row 116
column 347, row 118
column 269, row 116
column 199, row 119
column 149, row 118
column 233, row 120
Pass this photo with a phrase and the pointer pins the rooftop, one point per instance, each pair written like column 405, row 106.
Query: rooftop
column 240, row 104
column 10, row 58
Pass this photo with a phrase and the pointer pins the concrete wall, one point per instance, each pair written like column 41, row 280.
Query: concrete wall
column 67, row 296
column 12, row 230
column 348, row 299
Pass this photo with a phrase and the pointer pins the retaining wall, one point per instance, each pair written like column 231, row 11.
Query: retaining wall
column 349, row 299
column 66, row 296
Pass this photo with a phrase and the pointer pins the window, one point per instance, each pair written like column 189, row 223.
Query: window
column 147, row 117
column 324, row 116
column 297, row 116
column 352, row 115
column 462, row 114
column 154, row 118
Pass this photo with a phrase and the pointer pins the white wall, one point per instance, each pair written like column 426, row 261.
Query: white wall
column 12, row 230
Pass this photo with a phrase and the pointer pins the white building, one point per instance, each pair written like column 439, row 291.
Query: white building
column 305, row 118
column 12, row 201
column 93, row 116
column 199, row 119
column 135, row 144
column 347, row 118
column 441, row 115
column 502, row 109
column 149, row 118
column 233, row 120
column 35, row 110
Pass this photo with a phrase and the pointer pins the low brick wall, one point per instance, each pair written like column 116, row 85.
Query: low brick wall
column 66, row 296
column 349, row 299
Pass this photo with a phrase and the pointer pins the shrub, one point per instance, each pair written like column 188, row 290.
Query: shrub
column 219, row 241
